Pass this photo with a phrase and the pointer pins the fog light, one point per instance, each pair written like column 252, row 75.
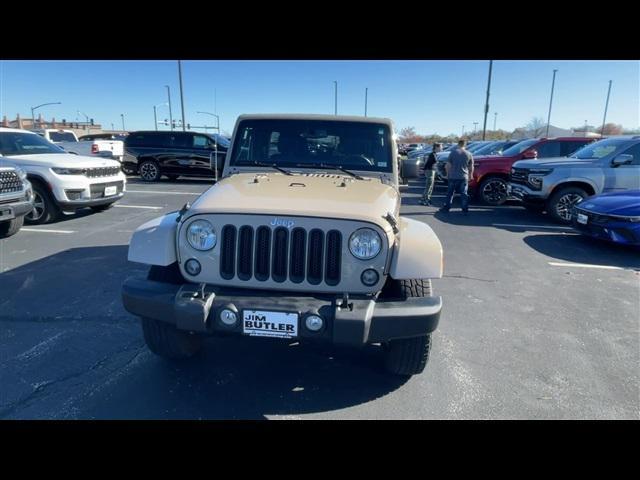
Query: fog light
column 228, row 317
column 192, row 267
column 369, row 277
column 314, row 323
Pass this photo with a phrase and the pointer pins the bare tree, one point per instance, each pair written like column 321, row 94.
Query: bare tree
column 611, row 129
column 536, row 127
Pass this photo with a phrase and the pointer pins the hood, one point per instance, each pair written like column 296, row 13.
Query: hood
column 4, row 163
column 63, row 160
column 552, row 162
column 484, row 158
column 626, row 203
column 314, row 195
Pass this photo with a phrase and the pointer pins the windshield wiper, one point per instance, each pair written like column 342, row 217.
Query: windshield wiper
column 272, row 165
column 330, row 167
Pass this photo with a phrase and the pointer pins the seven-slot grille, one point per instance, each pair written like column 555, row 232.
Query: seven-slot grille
column 10, row 182
column 280, row 254
column 95, row 172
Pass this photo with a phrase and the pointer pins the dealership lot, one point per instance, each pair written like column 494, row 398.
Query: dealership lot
column 538, row 322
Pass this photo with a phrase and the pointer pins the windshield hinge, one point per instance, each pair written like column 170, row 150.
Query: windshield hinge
column 392, row 221
column 182, row 211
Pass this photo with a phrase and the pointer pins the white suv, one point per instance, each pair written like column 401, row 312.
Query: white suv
column 61, row 181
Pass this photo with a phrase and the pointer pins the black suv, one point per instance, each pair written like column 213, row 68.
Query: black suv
column 153, row 154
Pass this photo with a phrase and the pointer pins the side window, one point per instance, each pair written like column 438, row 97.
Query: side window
column 635, row 151
column 200, row 141
column 567, row 148
column 179, row 140
column 549, row 149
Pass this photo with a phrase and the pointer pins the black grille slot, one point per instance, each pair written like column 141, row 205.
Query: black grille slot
column 10, row 182
column 228, row 249
column 334, row 257
column 314, row 268
column 280, row 244
column 245, row 253
column 95, row 172
column 263, row 253
column 298, row 255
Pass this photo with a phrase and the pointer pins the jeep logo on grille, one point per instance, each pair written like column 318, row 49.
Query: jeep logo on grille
column 281, row 222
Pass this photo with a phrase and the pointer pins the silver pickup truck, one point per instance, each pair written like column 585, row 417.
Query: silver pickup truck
column 557, row 184
column 67, row 140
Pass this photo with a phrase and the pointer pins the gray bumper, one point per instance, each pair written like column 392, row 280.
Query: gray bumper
column 365, row 320
column 9, row 211
column 78, row 204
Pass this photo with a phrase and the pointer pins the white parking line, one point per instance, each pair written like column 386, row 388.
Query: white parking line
column 586, row 265
column 139, row 206
column 163, row 193
column 530, row 226
column 45, row 230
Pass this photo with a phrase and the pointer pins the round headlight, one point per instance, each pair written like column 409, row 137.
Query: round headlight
column 365, row 243
column 201, row 235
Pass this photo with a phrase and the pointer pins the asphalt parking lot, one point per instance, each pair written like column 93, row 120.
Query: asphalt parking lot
column 525, row 333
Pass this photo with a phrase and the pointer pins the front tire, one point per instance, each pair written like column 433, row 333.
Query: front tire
column 408, row 356
column 45, row 209
column 11, row 227
column 493, row 191
column 561, row 203
column 149, row 171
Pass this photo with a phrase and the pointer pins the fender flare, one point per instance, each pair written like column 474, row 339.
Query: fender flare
column 154, row 243
column 418, row 252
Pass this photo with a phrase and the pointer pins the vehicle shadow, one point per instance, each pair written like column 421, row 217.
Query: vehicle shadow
column 166, row 181
column 231, row 378
column 583, row 249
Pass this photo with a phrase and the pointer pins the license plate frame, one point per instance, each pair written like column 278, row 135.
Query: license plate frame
column 582, row 219
column 270, row 323
column 110, row 190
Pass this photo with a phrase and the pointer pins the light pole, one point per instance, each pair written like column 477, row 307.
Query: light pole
column 606, row 106
column 112, row 129
column 336, row 97
column 553, row 82
column 495, row 119
column 585, row 128
column 217, row 118
column 33, row 109
column 486, row 105
column 184, row 126
column 86, row 117
column 475, row 127
column 155, row 116
column 169, row 99
column 462, row 134
column 366, row 92
column 122, row 117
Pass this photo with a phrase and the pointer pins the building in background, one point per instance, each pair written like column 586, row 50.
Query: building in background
column 79, row 128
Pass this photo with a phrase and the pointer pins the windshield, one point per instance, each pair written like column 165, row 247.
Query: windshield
column 519, row 147
column 305, row 143
column 62, row 137
column 601, row 149
column 220, row 140
column 16, row 143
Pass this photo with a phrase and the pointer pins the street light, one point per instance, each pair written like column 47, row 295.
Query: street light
column 33, row 117
column 336, row 97
column 366, row 91
column 181, row 94
column 86, row 117
column 169, row 99
column 217, row 118
column 486, row 105
column 155, row 116
column 606, row 106
column 553, row 82
column 122, row 117
column 475, row 127
column 495, row 119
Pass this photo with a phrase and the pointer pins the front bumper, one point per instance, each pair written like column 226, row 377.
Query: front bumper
column 9, row 211
column 625, row 233
column 525, row 194
column 364, row 320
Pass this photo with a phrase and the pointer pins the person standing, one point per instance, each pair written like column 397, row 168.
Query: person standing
column 429, row 169
column 459, row 169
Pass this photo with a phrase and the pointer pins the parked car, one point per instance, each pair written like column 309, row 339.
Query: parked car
column 102, row 136
column 495, row 148
column 491, row 172
column 152, row 154
column 293, row 244
column 61, row 181
column 557, row 184
column 16, row 197
column 67, row 140
column 614, row 217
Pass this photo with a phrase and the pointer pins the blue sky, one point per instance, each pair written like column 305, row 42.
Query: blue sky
column 432, row 96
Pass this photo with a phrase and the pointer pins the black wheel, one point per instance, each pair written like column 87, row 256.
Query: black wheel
column 493, row 191
column 45, row 209
column 149, row 171
column 408, row 356
column 167, row 341
column 102, row 208
column 10, row 227
column 560, row 205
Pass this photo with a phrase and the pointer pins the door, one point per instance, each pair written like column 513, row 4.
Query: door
column 624, row 177
column 202, row 148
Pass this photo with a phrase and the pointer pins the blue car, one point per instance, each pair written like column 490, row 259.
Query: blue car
column 611, row 216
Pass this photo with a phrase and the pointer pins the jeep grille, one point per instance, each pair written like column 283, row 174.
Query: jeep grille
column 281, row 254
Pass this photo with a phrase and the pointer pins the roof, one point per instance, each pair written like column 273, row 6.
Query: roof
column 15, row 130
column 314, row 116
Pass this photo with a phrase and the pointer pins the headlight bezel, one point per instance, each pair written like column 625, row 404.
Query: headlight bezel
column 360, row 231
column 209, row 225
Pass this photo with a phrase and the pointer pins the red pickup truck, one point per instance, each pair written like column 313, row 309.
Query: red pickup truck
column 491, row 172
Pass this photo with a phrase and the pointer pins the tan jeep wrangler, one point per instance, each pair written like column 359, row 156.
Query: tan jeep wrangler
column 301, row 239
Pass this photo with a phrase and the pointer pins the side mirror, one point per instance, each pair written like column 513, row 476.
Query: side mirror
column 530, row 154
column 622, row 159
